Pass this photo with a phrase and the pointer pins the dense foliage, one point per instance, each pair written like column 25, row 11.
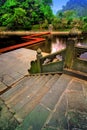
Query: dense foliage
column 37, row 14
column 23, row 14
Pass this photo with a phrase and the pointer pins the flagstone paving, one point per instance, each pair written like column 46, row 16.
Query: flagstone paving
column 14, row 65
column 48, row 102
column 40, row 102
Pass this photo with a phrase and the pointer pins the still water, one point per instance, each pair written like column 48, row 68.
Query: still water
column 55, row 43
column 52, row 44
column 82, row 42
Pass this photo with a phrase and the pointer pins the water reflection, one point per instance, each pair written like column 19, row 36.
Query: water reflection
column 58, row 45
column 82, row 42
column 52, row 44
column 84, row 56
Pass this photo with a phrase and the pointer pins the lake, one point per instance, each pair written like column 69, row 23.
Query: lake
column 52, row 44
column 56, row 43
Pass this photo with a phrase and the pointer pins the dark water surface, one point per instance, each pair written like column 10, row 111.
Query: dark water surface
column 56, row 43
column 52, row 44
column 6, row 41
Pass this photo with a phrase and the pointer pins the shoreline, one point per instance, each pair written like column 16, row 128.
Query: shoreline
column 20, row 33
column 25, row 33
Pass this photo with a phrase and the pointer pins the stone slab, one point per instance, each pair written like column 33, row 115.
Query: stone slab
column 55, row 92
column 35, row 119
column 3, row 87
column 15, row 64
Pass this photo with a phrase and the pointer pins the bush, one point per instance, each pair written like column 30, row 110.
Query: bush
column 84, row 27
column 3, row 28
column 36, row 27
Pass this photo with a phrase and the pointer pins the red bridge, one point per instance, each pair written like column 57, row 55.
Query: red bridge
column 32, row 40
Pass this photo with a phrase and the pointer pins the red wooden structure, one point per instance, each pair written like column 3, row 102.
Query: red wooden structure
column 32, row 40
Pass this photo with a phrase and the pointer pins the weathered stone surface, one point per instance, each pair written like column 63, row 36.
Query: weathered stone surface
column 57, row 118
column 7, row 80
column 56, row 91
column 76, row 100
column 7, row 120
column 85, row 90
column 35, row 119
column 15, row 64
column 76, row 85
column 3, row 87
column 77, row 120
column 41, row 101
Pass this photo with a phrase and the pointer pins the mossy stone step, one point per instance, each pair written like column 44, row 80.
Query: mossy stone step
column 3, row 87
column 35, row 120
column 7, row 120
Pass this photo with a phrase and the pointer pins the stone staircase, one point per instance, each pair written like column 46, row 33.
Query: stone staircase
column 42, row 102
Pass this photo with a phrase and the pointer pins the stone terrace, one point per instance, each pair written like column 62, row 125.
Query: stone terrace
column 14, row 65
column 40, row 102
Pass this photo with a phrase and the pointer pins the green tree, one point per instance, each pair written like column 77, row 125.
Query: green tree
column 67, row 19
column 70, row 14
column 19, row 14
column 56, row 23
column 16, row 20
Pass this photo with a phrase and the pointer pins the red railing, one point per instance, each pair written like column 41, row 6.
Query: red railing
column 33, row 39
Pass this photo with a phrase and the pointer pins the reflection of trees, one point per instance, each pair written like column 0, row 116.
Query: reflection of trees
column 58, row 45
column 47, row 46
column 83, row 55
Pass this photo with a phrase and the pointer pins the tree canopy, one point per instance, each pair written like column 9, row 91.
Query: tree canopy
column 37, row 14
column 23, row 14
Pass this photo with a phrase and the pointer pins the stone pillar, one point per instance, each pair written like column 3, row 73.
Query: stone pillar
column 50, row 27
column 70, row 53
column 39, row 55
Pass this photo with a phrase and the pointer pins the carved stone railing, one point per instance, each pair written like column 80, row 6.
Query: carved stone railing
column 80, row 63
column 50, row 63
column 53, row 62
column 69, row 58
column 73, row 58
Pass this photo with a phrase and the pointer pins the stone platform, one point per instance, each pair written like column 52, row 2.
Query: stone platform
column 14, row 65
column 39, row 102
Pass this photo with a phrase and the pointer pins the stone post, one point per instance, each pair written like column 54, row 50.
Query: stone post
column 50, row 27
column 39, row 55
column 70, row 53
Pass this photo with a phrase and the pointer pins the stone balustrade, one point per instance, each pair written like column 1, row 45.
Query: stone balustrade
column 68, row 58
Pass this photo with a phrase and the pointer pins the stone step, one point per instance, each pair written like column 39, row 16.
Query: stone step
column 35, row 120
column 7, row 120
column 59, row 98
column 25, row 87
column 56, row 89
column 3, row 88
column 28, row 94
column 9, row 94
column 39, row 112
column 38, row 92
column 76, row 73
column 55, row 92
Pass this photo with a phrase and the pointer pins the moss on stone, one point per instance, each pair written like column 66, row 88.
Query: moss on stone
column 7, row 120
